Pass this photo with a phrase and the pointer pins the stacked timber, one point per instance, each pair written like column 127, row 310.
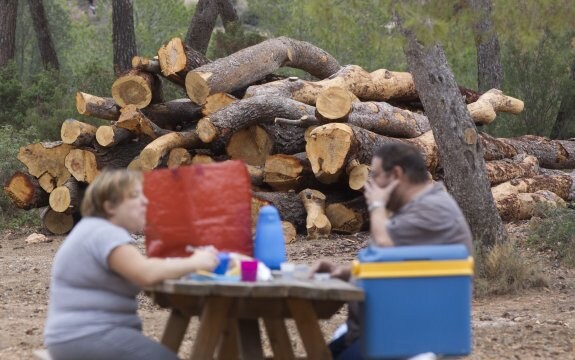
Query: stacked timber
column 307, row 143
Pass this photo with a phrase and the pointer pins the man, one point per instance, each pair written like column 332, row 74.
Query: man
column 423, row 213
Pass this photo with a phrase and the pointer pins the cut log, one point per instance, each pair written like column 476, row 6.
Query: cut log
column 357, row 174
column 499, row 171
column 77, row 133
column 216, row 102
column 495, row 149
column 331, row 148
column 522, row 206
column 317, row 223
column 67, row 197
column 86, row 163
column 289, row 232
column 25, row 191
column 57, row 223
column 248, row 65
column 348, row 217
column 102, row 108
column 176, row 60
column 202, row 159
column 484, row 110
column 178, row 157
column 112, row 135
column 558, row 184
column 380, row 85
column 138, row 88
column 288, row 204
column 132, row 119
column 552, row 154
column 256, row 175
column 142, row 63
column 288, row 172
column 221, row 125
column 46, row 157
column 152, row 154
column 255, row 143
column 334, row 103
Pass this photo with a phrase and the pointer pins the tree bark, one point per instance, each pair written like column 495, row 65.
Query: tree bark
column 523, row 206
column 552, row 154
column 251, row 64
column 102, row 108
column 154, row 152
column 562, row 185
column 123, row 35
column 489, row 69
column 112, row 135
column 202, row 25
column 221, row 125
column 499, row 171
column 227, row 13
column 380, row 85
column 132, row 119
column 459, row 148
column 43, row 34
column 9, row 11
column 25, row 191
column 566, row 109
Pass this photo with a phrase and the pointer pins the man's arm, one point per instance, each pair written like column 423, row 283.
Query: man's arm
column 377, row 225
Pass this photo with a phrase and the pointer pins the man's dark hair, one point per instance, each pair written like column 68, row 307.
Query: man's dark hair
column 405, row 156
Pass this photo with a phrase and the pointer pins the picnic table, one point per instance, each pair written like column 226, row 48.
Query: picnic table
column 229, row 314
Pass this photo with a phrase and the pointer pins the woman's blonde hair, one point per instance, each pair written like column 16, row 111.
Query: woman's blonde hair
column 111, row 185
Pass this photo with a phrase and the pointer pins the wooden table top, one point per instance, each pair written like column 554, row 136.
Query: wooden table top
column 332, row 289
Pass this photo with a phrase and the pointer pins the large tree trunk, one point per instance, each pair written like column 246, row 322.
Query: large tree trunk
column 202, row 25
column 458, row 144
column 227, row 13
column 489, row 69
column 566, row 112
column 9, row 10
column 123, row 35
column 251, row 64
column 43, row 34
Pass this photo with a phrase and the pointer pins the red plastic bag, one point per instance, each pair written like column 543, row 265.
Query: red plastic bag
column 198, row 205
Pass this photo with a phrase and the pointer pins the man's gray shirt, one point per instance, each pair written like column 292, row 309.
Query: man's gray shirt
column 86, row 296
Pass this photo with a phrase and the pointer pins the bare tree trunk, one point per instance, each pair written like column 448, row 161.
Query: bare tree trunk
column 489, row 69
column 460, row 150
column 123, row 35
column 202, row 25
column 566, row 109
column 227, row 13
column 9, row 10
column 43, row 34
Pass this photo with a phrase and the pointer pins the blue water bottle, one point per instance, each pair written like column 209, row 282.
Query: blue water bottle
column 269, row 245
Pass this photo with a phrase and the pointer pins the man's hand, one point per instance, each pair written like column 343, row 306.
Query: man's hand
column 374, row 193
column 342, row 272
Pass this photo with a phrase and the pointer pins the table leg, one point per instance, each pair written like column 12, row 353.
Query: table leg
column 279, row 339
column 250, row 340
column 175, row 330
column 212, row 324
column 230, row 343
column 307, row 323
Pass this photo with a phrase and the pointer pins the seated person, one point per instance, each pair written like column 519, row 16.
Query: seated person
column 97, row 273
column 423, row 214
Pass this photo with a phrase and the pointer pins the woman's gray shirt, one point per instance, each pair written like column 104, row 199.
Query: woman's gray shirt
column 86, row 296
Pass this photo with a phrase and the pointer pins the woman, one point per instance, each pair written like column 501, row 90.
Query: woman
column 97, row 273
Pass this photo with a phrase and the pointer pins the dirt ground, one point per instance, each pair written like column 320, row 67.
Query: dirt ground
column 539, row 324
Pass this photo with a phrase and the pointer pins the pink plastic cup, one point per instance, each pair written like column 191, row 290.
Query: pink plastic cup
column 249, row 270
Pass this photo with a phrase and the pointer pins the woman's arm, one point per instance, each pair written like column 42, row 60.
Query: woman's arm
column 127, row 261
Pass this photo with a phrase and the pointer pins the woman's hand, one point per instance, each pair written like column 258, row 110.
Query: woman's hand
column 205, row 259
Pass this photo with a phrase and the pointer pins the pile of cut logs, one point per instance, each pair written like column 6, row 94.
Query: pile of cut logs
column 307, row 144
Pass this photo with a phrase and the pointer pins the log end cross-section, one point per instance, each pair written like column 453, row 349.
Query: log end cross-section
column 133, row 88
column 327, row 149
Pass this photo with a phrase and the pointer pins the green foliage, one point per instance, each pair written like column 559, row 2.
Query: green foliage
column 555, row 232
column 504, row 269
column 11, row 139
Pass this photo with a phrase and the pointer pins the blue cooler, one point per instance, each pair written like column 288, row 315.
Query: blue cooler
column 417, row 300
